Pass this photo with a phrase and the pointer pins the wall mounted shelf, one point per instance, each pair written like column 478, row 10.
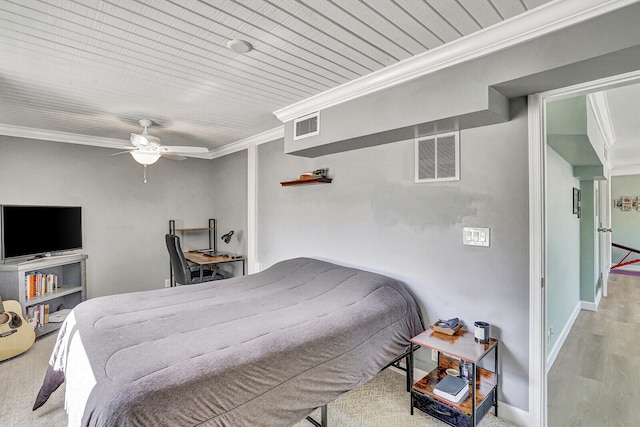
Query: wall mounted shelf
column 306, row 181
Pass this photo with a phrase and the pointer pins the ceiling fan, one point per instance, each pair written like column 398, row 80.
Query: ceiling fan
column 147, row 149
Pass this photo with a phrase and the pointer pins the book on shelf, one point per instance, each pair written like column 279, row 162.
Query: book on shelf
column 452, row 388
column 38, row 284
column 38, row 315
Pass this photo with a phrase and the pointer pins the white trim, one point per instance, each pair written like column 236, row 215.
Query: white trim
column 70, row 138
column 243, row 144
column 553, row 354
column 252, row 209
column 592, row 306
column 550, row 17
column 600, row 107
column 517, row 416
column 117, row 144
column 626, row 170
column 606, row 83
column 537, row 376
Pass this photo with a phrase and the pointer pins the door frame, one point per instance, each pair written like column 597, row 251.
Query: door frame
column 537, row 232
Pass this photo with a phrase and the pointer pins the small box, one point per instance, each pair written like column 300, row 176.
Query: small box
column 447, row 331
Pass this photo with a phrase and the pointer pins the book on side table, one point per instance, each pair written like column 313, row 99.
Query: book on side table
column 452, row 388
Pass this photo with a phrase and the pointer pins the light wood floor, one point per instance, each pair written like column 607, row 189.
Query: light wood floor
column 595, row 381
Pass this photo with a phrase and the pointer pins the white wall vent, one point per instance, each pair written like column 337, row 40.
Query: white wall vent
column 306, row 126
column 438, row 157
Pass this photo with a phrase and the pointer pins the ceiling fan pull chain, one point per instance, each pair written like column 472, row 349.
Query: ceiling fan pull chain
column 145, row 174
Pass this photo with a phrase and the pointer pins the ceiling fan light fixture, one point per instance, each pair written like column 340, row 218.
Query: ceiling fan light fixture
column 239, row 46
column 145, row 157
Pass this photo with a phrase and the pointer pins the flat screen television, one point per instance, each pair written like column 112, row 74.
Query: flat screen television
column 40, row 230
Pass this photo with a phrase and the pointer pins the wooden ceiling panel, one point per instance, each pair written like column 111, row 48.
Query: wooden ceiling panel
column 360, row 28
column 509, row 8
column 482, row 11
column 456, row 15
column 94, row 67
column 431, row 20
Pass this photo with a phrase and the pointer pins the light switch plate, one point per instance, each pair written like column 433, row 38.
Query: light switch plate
column 476, row 236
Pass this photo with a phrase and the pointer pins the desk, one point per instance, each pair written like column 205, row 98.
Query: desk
column 204, row 259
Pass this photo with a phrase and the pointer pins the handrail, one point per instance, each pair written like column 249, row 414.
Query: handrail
column 626, row 248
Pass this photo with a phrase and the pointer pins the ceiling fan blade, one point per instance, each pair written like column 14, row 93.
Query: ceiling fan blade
column 174, row 157
column 182, row 149
column 144, row 140
column 124, row 152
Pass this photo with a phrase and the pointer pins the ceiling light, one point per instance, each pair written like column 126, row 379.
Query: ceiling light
column 145, row 157
column 239, row 46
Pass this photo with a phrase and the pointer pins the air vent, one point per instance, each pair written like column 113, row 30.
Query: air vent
column 306, row 126
column 438, row 157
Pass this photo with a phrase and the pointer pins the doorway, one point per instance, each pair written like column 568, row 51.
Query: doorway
column 538, row 233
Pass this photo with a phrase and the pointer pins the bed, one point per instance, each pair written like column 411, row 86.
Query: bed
column 263, row 349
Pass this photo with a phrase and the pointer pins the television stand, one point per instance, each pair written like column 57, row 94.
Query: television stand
column 70, row 271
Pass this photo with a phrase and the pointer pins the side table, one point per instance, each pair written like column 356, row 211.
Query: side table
column 483, row 385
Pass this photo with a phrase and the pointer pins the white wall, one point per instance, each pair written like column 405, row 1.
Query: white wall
column 375, row 217
column 124, row 220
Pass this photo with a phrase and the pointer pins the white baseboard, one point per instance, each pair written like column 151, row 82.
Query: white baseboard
column 592, row 306
column 563, row 336
column 518, row 416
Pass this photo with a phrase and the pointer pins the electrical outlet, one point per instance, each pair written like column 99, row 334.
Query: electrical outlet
column 434, row 355
column 167, row 283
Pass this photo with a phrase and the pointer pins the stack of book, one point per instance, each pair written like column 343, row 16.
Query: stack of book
column 454, row 389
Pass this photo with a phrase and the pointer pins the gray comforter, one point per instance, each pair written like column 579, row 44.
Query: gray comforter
column 261, row 350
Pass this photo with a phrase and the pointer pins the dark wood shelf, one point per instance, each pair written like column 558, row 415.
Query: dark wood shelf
column 193, row 229
column 306, row 181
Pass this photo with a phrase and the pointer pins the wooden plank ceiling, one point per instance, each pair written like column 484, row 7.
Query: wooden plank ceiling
column 94, row 67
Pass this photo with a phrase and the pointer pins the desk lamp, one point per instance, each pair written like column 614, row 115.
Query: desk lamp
column 227, row 238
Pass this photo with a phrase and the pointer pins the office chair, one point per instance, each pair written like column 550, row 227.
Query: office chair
column 184, row 273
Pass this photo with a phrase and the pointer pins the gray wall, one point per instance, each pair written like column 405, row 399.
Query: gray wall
column 589, row 244
column 563, row 246
column 124, row 220
column 375, row 217
column 230, row 198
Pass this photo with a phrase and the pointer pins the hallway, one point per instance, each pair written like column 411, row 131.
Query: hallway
column 595, row 379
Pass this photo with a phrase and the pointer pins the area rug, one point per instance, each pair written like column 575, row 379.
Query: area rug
column 383, row 402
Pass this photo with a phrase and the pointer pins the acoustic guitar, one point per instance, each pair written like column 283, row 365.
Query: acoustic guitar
column 16, row 334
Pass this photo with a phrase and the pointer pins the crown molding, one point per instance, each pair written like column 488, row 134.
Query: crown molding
column 626, row 170
column 74, row 138
column 69, row 138
column 550, row 17
column 243, row 144
column 600, row 107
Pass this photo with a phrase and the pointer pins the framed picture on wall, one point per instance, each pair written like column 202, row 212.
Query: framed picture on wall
column 617, row 203
column 576, row 201
column 626, row 206
column 626, row 199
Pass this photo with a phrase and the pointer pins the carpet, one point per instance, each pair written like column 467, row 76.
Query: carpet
column 380, row 403
column 625, row 272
